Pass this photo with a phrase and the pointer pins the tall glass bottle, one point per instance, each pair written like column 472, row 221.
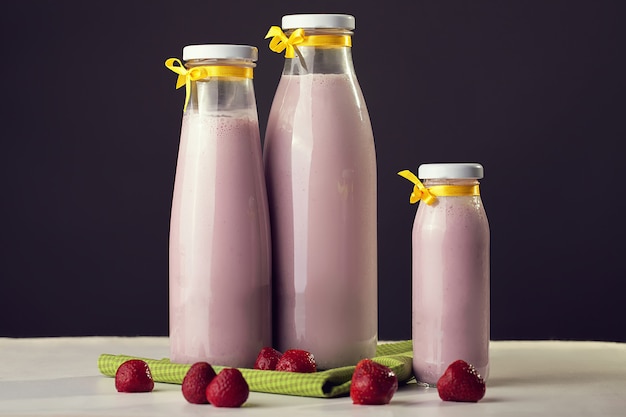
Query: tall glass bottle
column 450, row 270
column 320, row 167
column 220, row 253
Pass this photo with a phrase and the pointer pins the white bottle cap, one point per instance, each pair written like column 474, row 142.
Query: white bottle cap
column 450, row 171
column 215, row 51
column 318, row 21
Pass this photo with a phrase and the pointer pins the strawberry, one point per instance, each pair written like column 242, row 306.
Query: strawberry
column 195, row 382
column 134, row 376
column 296, row 360
column 228, row 389
column 267, row 359
column 461, row 382
column 372, row 383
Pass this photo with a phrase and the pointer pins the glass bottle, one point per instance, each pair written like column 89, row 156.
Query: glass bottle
column 320, row 166
column 220, row 249
column 450, row 270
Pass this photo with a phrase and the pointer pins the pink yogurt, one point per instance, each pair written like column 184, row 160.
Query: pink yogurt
column 321, row 176
column 220, row 294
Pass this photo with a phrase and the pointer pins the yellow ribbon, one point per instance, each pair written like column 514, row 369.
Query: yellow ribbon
column 280, row 42
column 429, row 195
column 327, row 40
column 186, row 76
column 420, row 192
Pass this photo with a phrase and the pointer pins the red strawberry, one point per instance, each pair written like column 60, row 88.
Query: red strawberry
column 228, row 389
column 372, row 383
column 134, row 376
column 461, row 382
column 195, row 382
column 296, row 360
column 267, row 359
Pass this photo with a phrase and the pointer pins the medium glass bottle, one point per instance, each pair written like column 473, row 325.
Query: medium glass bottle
column 220, row 249
column 450, row 270
column 320, row 166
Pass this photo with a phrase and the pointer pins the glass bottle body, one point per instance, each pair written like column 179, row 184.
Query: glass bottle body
column 450, row 272
column 220, row 249
column 320, row 166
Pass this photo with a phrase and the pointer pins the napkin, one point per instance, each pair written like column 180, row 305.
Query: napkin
column 324, row 384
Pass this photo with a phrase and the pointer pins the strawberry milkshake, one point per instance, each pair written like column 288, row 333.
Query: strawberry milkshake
column 450, row 273
column 220, row 305
column 320, row 167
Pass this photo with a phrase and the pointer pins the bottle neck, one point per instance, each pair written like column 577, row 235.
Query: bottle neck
column 452, row 187
column 323, row 51
column 222, row 86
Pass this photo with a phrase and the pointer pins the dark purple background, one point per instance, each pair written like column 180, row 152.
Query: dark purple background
column 534, row 90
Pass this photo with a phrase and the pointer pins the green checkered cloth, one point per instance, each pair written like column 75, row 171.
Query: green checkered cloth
column 324, row 384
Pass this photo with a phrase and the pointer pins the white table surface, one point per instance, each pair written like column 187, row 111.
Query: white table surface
column 59, row 376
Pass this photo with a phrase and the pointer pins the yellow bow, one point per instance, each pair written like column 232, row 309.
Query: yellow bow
column 280, row 42
column 185, row 76
column 420, row 192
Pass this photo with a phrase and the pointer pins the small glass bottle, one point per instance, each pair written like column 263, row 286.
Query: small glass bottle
column 220, row 254
column 450, row 269
column 320, row 165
